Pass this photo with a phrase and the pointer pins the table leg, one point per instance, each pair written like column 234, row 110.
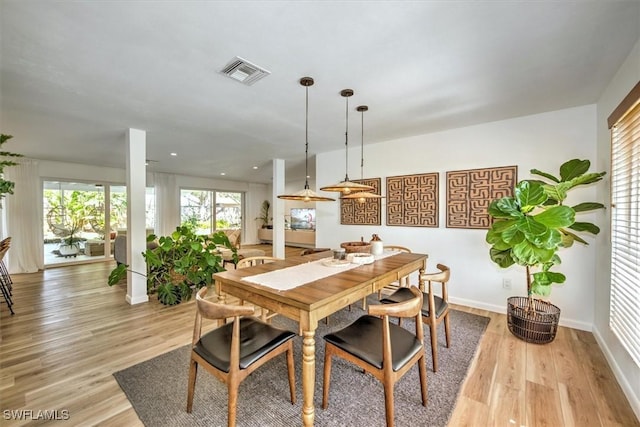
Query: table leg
column 308, row 375
column 222, row 299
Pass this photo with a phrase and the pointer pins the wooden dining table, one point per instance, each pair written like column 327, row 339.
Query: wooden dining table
column 317, row 299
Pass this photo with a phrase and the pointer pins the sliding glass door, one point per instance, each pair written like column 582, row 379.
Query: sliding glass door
column 75, row 221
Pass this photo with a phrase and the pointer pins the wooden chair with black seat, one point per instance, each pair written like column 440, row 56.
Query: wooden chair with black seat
column 234, row 350
column 435, row 309
column 385, row 350
column 265, row 315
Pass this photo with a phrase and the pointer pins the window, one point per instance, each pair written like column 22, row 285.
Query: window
column 207, row 211
column 625, row 223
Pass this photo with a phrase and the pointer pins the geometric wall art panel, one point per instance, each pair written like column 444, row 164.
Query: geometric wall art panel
column 469, row 193
column 353, row 212
column 412, row 200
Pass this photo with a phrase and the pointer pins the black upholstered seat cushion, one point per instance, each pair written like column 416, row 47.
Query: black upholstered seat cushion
column 256, row 340
column 404, row 294
column 363, row 339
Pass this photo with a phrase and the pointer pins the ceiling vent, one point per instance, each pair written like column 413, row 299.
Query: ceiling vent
column 244, row 71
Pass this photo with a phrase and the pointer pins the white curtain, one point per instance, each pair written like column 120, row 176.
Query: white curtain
column 22, row 218
column 167, row 203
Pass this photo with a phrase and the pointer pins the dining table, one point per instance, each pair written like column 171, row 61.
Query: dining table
column 309, row 288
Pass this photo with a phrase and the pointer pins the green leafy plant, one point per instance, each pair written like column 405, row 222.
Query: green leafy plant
column 6, row 187
column 531, row 227
column 264, row 213
column 181, row 263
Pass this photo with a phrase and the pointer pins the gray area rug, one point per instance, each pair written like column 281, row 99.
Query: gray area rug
column 157, row 388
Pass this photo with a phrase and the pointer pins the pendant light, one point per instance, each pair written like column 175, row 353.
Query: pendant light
column 306, row 194
column 362, row 196
column 347, row 186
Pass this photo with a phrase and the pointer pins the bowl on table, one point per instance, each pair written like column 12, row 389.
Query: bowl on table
column 356, row 247
column 360, row 258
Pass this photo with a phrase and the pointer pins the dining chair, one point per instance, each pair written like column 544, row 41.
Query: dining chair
column 5, row 244
column 265, row 315
column 435, row 309
column 385, row 350
column 6, row 283
column 234, row 350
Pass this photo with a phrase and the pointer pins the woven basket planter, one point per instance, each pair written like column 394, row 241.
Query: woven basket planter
column 537, row 325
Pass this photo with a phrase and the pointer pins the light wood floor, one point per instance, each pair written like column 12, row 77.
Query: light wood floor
column 71, row 332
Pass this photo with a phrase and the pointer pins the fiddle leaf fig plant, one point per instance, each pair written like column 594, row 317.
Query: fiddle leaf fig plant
column 530, row 227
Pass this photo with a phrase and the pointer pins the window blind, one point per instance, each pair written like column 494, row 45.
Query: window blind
column 625, row 230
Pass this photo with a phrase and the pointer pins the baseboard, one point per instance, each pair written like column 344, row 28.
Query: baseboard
column 502, row 309
column 138, row 300
column 634, row 400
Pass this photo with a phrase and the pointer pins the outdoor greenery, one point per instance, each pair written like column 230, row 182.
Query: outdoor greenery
column 181, row 263
column 198, row 209
column 532, row 226
column 194, row 224
column 72, row 212
column 6, row 187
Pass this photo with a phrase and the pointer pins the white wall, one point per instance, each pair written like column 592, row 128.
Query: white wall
column 627, row 372
column 542, row 141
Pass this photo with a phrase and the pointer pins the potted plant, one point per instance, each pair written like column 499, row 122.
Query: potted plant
column 264, row 214
column 70, row 244
column 6, row 187
column 529, row 229
column 181, row 263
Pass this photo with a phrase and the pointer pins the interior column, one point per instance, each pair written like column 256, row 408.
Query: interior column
column 278, row 208
column 136, row 236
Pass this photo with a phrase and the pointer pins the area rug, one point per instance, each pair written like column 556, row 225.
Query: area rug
column 157, row 388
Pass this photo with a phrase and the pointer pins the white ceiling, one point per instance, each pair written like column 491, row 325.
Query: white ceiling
column 76, row 74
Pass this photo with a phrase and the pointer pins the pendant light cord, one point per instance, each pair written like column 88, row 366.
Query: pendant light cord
column 306, row 139
column 346, row 141
column 362, row 145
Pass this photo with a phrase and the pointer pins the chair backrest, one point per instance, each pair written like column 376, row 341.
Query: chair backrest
column 211, row 310
column 3, row 252
column 234, row 235
column 441, row 276
column 409, row 308
column 6, row 242
column 256, row 260
column 396, row 248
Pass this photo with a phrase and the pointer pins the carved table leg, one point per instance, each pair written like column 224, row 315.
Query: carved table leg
column 308, row 376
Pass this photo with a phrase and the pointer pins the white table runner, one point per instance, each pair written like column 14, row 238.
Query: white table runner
column 292, row 277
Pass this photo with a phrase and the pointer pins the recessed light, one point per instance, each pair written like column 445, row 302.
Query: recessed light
column 222, row 173
column 174, row 154
column 255, row 167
